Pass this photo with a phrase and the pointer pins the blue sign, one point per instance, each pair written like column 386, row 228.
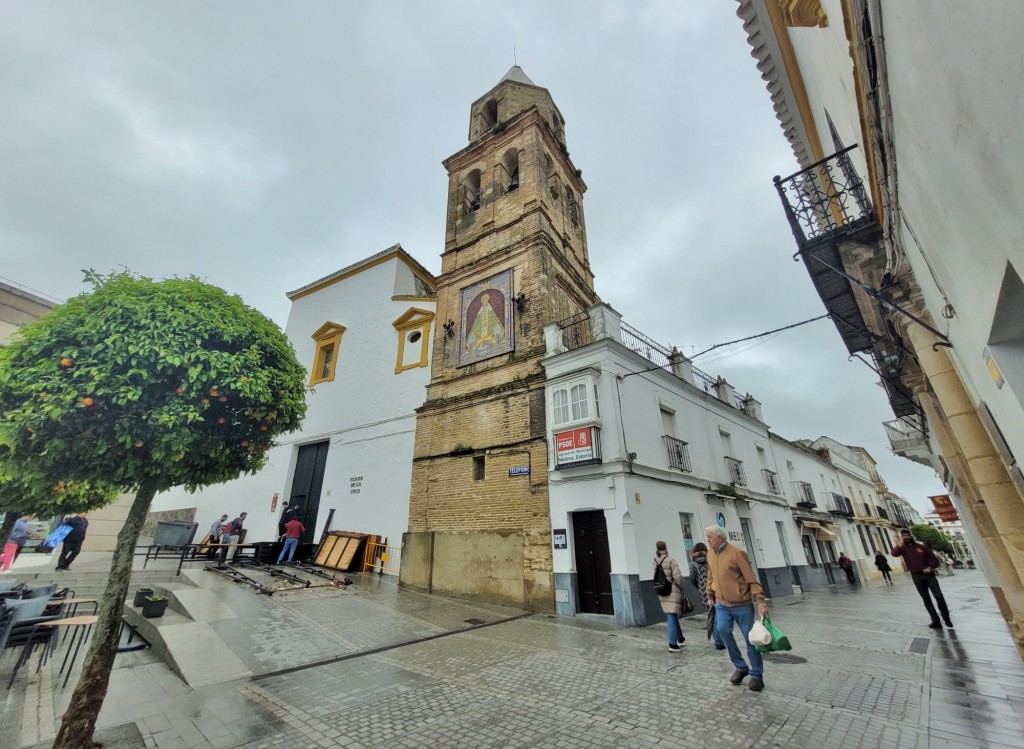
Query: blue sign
column 519, row 471
column 720, row 519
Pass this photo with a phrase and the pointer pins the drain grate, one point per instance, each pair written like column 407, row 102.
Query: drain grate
column 475, row 621
column 919, row 645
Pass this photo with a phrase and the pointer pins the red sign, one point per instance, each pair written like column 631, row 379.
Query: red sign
column 944, row 507
column 576, row 446
column 273, row 503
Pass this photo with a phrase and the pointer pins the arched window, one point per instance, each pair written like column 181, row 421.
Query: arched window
column 471, row 192
column 510, row 166
column 490, row 114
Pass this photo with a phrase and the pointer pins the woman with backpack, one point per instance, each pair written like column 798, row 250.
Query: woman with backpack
column 668, row 584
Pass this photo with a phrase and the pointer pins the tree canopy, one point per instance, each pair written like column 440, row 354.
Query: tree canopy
column 932, row 537
column 175, row 381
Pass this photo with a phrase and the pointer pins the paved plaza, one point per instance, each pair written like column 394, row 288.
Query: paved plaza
column 376, row 666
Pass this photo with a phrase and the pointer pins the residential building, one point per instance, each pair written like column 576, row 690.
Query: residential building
column 364, row 334
column 905, row 211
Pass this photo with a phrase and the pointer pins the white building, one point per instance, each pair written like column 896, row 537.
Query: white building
column 364, row 335
column 645, row 447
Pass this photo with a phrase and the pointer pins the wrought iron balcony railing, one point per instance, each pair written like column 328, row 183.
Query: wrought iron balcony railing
column 736, row 473
column 804, row 494
column 825, row 198
column 908, row 433
column 649, row 349
column 577, row 331
column 840, row 505
column 678, row 454
column 704, row 381
column 771, row 481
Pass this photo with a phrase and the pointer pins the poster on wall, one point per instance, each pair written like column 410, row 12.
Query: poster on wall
column 576, row 446
column 485, row 319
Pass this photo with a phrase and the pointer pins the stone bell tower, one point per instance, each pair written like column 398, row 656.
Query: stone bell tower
column 515, row 259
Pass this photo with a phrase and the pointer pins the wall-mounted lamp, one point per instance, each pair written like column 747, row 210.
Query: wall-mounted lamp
column 449, row 329
column 520, row 303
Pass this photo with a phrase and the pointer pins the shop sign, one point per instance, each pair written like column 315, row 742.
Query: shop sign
column 576, row 446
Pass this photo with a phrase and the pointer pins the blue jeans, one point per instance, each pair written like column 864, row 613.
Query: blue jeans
column 744, row 617
column 289, row 547
column 675, row 630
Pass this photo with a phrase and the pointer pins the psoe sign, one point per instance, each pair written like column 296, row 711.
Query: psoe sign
column 577, row 446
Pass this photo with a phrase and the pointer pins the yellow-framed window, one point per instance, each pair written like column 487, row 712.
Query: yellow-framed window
column 325, row 357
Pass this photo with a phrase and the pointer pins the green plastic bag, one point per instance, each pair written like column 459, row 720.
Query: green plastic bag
column 779, row 639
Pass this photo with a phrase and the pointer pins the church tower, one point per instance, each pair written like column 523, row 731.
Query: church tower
column 515, row 259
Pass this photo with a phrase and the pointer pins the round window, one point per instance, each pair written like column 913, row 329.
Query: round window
column 414, row 336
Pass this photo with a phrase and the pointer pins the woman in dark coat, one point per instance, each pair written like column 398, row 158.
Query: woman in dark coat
column 672, row 604
column 882, row 563
column 699, row 577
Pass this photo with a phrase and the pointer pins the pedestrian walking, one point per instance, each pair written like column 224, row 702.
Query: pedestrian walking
column 73, row 541
column 213, row 541
column 733, row 589
column 290, row 513
column 237, row 531
column 671, row 604
column 882, row 564
column 921, row 562
column 293, row 530
column 18, row 537
column 846, row 564
column 699, row 577
column 948, row 561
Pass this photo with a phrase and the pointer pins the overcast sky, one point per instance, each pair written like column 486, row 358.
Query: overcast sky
column 264, row 145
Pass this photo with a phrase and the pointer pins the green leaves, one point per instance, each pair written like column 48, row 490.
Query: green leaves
column 174, row 381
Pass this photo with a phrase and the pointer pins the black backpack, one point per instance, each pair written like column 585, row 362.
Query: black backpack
column 662, row 585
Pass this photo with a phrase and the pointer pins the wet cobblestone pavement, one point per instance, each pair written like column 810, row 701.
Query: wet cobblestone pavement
column 433, row 679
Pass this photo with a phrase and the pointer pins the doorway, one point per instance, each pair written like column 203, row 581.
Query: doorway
column 793, row 572
column 307, row 482
column 593, row 562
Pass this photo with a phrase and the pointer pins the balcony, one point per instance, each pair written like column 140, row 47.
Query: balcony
column 736, row 474
column 908, row 438
column 826, row 205
column 678, row 455
column 882, row 513
column 804, row 494
column 771, row 481
column 840, row 505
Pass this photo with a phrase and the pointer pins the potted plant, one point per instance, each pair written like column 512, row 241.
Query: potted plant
column 154, row 606
column 140, row 596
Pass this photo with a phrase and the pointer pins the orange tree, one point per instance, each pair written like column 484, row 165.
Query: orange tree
column 143, row 385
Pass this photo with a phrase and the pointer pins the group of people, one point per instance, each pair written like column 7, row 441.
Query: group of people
column 16, row 540
column 71, row 539
column 728, row 586
column 224, row 534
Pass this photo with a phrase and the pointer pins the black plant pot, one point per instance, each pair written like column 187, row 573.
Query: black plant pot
column 152, row 609
column 140, row 596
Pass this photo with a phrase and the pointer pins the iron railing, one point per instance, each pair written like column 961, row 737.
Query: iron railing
column 826, row 197
column 576, row 331
column 704, row 381
column 840, row 505
column 736, row 473
column 771, row 481
column 740, row 401
column 649, row 349
column 678, row 454
column 804, row 494
column 907, row 433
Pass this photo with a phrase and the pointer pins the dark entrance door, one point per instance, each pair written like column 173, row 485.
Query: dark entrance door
column 306, row 485
column 593, row 562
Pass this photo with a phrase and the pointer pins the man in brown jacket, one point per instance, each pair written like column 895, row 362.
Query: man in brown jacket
column 732, row 589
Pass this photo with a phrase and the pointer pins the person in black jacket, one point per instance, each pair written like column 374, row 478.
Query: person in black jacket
column 921, row 563
column 882, row 563
column 73, row 541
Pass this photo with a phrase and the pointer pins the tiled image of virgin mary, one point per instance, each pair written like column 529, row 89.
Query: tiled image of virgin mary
column 486, row 324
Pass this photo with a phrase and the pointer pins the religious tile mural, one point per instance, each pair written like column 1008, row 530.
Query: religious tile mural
column 485, row 328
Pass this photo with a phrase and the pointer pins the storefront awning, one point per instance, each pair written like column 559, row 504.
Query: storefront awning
column 810, row 524
column 826, row 535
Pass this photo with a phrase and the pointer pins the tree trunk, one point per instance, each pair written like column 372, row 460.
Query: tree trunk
column 5, row 530
column 79, row 721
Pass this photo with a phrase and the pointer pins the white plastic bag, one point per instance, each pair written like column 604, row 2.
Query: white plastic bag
column 759, row 634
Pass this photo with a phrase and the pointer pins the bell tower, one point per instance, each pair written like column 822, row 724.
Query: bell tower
column 515, row 259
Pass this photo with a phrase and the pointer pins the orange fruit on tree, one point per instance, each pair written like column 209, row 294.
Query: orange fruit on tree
column 213, row 392
column 204, row 402
column 221, row 420
column 263, row 427
column 245, row 443
column 66, row 362
column 223, row 399
column 138, row 443
column 87, row 401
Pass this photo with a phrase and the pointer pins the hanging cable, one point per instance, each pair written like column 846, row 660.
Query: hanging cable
column 762, row 335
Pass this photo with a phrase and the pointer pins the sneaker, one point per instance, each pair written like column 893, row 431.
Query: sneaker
column 719, row 647
column 755, row 684
column 674, row 649
column 949, row 623
column 934, row 625
column 738, row 676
